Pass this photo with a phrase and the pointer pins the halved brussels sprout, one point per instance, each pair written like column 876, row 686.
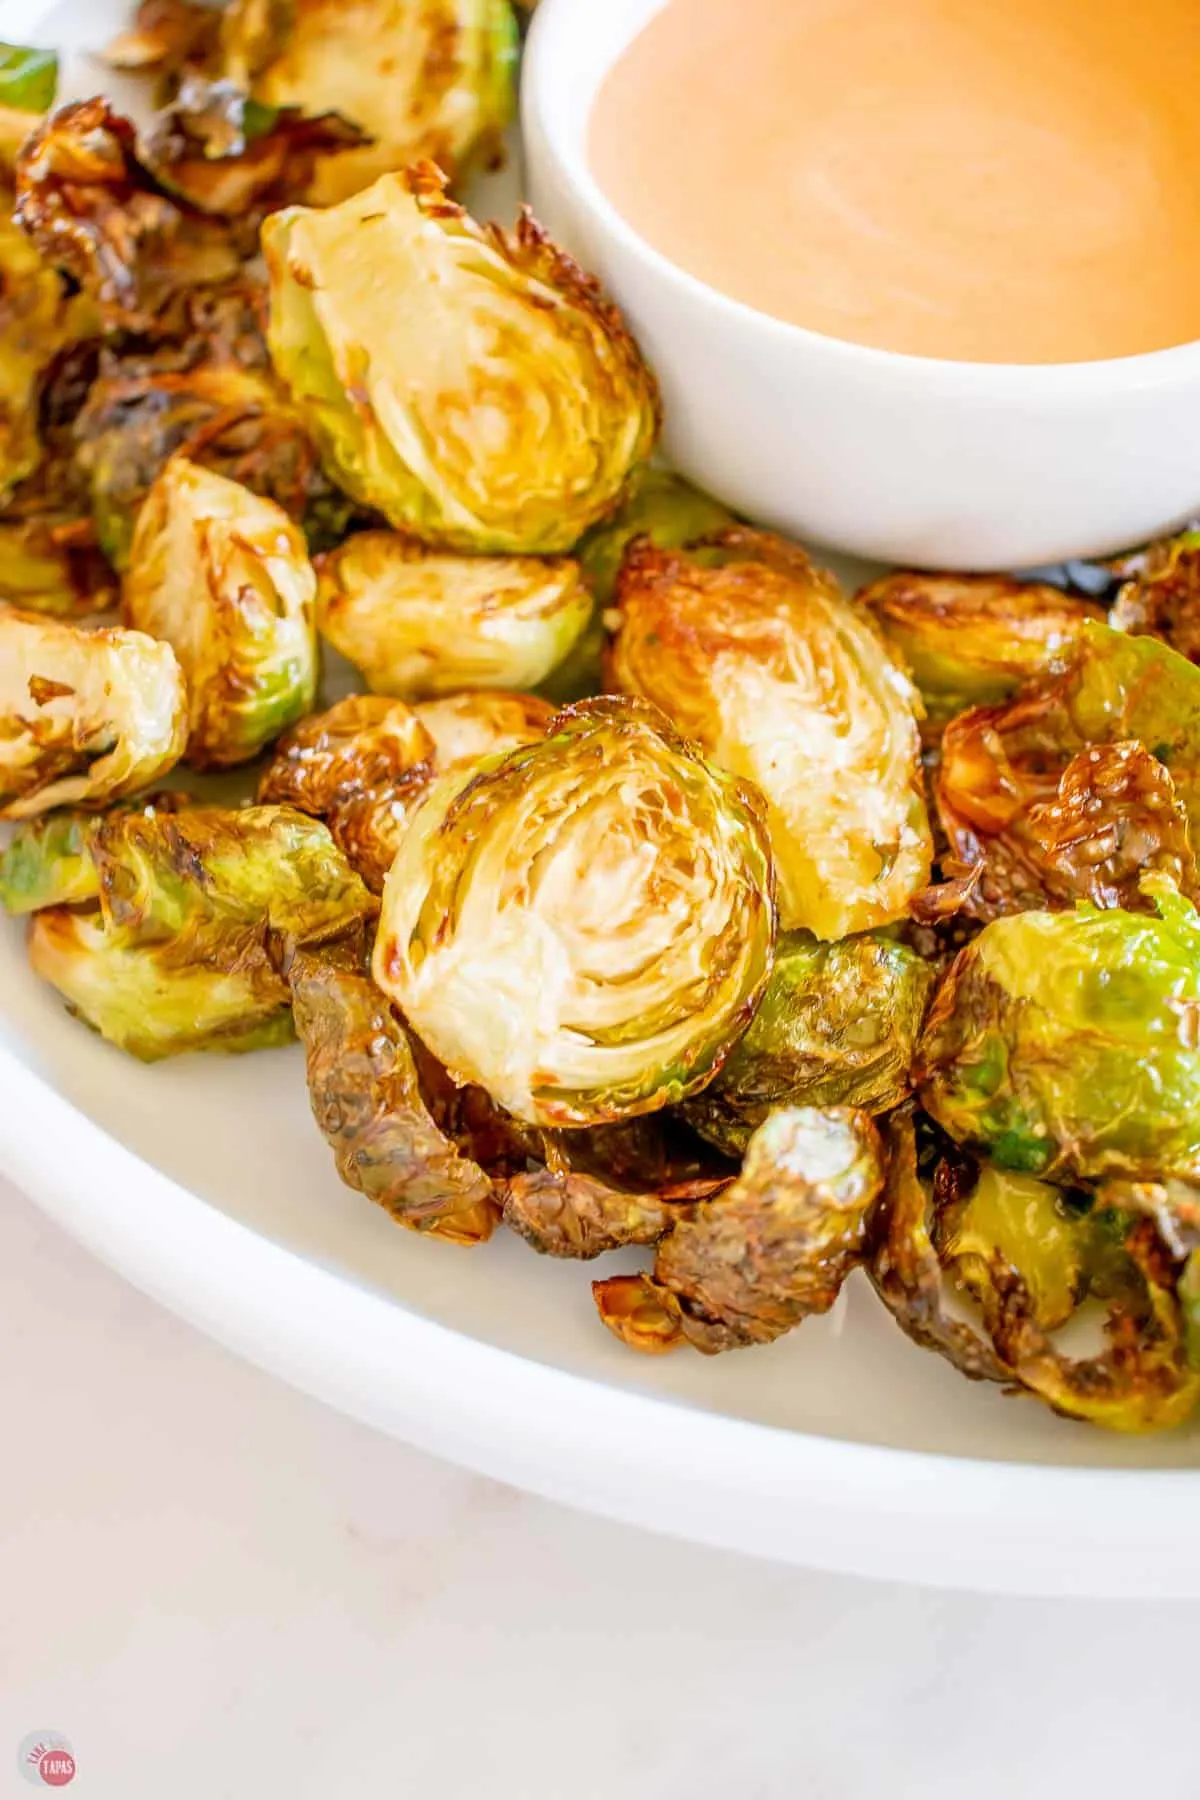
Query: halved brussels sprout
column 1161, row 594
column 1024, row 1257
column 507, row 417
column 225, row 418
column 94, row 211
column 584, row 926
column 770, row 1251
column 837, row 1026
column 753, row 651
column 37, row 321
column 366, row 1098
column 85, row 716
column 973, row 640
column 193, row 915
column 224, row 577
column 1051, row 795
column 419, row 622
column 431, row 79
column 1066, row 1045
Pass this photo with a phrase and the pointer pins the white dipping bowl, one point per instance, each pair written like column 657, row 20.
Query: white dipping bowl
column 900, row 458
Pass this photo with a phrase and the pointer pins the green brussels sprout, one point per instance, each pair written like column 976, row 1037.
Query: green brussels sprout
column 95, row 212
column 224, row 577
column 419, row 622
column 974, row 640
column 1064, row 1045
column 176, row 938
column 85, row 716
column 1052, row 797
column 1021, row 1258
column 837, row 1026
column 753, row 651
column 1160, row 595
column 28, row 78
column 507, row 418
column 431, row 80
column 232, row 420
column 366, row 1097
column 583, row 927
column 770, row 1251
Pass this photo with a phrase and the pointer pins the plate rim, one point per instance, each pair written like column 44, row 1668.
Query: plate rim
column 641, row 1459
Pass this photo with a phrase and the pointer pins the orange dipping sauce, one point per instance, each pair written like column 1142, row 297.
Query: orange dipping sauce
column 1013, row 181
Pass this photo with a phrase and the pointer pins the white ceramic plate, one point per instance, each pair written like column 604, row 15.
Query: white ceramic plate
column 205, row 1182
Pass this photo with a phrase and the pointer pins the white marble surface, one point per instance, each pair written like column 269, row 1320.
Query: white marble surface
column 214, row 1587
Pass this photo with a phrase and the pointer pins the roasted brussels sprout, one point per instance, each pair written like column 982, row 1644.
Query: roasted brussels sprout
column 93, row 210
column 465, row 727
column 85, row 716
column 507, row 418
column 224, row 578
column 434, row 79
column 837, row 1026
column 584, row 926
column 167, row 36
column 1161, row 594
column 193, row 916
column 1025, row 1257
column 1052, row 796
column 228, row 419
column 37, row 321
column 1064, row 1045
column 752, row 650
column 973, row 640
column 418, row 622
column 366, row 1098
column 770, row 1251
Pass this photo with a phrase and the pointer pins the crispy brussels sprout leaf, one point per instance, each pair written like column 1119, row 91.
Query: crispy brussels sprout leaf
column 193, row 916
column 361, row 767
column 774, row 1247
column 753, row 651
column 85, row 716
column 423, row 78
column 973, row 640
column 166, row 36
column 93, row 210
column 228, row 419
column 608, row 1188
column 583, row 927
column 224, row 577
column 837, row 1026
column 508, row 418
column 419, row 623
column 1065, row 1045
column 366, row 1098
column 221, row 153
column 1161, row 597
column 1025, row 1258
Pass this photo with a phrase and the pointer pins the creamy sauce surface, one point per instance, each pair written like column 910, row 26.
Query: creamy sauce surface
column 988, row 180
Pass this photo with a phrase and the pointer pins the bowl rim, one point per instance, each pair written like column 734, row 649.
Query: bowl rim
column 634, row 1457
column 564, row 129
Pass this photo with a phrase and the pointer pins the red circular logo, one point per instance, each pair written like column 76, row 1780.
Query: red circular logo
column 56, row 1767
